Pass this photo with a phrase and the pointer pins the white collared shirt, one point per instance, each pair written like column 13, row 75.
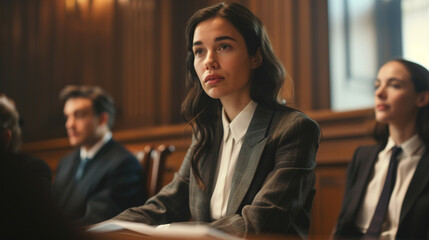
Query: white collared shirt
column 91, row 152
column 233, row 134
column 412, row 152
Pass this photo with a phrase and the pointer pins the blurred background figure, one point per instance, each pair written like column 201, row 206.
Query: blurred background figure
column 26, row 204
column 10, row 138
column 386, row 195
column 101, row 178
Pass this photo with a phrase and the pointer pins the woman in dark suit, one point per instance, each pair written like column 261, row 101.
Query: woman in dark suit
column 383, row 203
column 250, row 168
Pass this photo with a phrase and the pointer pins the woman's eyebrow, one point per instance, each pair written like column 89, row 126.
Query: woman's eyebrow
column 394, row 79
column 196, row 43
column 224, row 38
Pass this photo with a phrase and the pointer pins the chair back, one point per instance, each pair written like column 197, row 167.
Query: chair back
column 157, row 168
column 152, row 161
column 144, row 158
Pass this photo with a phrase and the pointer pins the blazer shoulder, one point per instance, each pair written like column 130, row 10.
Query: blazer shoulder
column 116, row 154
column 363, row 152
column 286, row 113
column 362, row 160
column 36, row 164
column 289, row 118
column 26, row 163
column 121, row 149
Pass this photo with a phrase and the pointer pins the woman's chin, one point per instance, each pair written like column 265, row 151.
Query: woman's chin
column 381, row 118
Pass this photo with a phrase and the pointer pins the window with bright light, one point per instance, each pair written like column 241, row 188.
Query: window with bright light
column 364, row 34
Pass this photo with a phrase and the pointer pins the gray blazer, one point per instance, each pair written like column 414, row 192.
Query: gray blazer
column 272, row 187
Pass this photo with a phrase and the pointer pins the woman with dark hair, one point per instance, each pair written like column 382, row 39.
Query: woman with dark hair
column 387, row 188
column 250, row 168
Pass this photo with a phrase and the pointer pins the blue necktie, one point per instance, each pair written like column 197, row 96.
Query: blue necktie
column 81, row 168
column 377, row 220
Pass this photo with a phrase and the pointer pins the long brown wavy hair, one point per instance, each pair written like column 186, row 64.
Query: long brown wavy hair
column 202, row 112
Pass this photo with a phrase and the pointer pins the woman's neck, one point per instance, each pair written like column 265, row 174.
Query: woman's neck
column 233, row 108
column 402, row 133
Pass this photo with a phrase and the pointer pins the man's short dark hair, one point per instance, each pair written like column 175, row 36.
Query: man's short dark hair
column 102, row 102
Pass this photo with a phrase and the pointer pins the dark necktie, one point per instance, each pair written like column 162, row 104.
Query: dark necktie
column 81, row 168
column 377, row 220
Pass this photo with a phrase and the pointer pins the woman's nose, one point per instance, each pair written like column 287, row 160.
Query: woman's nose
column 380, row 92
column 211, row 62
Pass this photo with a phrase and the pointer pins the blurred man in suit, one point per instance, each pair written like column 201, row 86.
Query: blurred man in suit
column 101, row 178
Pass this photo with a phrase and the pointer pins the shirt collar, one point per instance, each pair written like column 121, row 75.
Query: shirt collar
column 240, row 124
column 409, row 147
column 91, row 152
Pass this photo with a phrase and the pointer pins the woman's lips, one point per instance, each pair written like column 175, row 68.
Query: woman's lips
column 213, row 79
column 381, row 107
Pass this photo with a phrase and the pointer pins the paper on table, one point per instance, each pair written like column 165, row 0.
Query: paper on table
column 173, row 230
column 114, row 225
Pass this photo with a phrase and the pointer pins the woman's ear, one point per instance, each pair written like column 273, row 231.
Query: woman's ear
column 257, row 59
column 423, row 99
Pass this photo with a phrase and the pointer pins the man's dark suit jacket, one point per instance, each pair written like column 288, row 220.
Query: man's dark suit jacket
column 272, row 187
column 112, row 182
column 413, row 220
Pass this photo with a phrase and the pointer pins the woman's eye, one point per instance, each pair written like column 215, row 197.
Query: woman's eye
column 395, row 85
column 224, row 47
column 198, row 52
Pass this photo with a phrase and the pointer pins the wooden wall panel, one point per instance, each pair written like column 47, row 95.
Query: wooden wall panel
column 298, row 31
column 330, row 185
column 126, row 47
column 135, row 49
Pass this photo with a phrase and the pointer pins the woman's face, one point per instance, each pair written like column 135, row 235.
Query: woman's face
column 221, row 61
column 396, row 101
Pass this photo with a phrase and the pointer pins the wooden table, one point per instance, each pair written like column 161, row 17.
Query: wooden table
column 131, row 235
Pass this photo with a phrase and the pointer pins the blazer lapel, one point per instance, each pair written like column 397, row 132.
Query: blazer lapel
column 100, row 158
column 207, row 170
column 74, row 165
column 360, row 187
column 417, row 185
column 94, row 169
column 249, row 157
column 67, row 181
